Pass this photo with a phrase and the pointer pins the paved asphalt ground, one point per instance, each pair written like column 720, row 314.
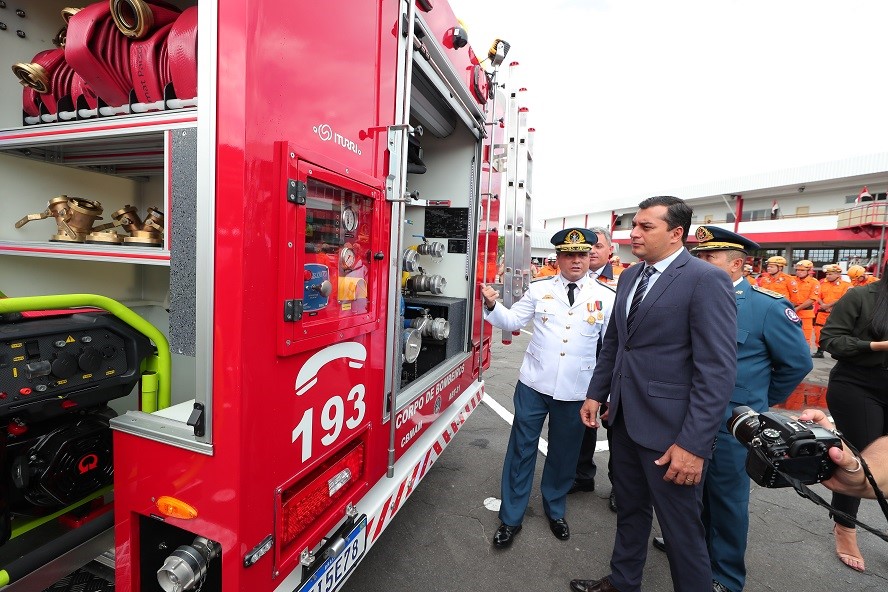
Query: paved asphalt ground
column 440, row 540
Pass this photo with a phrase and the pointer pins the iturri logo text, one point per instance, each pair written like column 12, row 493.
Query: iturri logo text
column 326, row 133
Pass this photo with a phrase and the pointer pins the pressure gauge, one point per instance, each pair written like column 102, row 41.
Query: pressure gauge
column 349, row 219
column 347, row 258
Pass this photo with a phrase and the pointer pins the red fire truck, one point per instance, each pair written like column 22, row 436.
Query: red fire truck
column 241, row 272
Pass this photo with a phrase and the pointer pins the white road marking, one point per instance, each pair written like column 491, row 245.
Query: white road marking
column 493, row 503
column 600, row 446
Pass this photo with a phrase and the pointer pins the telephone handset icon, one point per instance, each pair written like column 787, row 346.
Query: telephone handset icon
column 355, row 353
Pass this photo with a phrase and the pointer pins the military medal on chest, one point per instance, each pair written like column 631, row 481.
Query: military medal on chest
column 595, row 311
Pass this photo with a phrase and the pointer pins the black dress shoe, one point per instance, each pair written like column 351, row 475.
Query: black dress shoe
column 659, row 543
column 719, row 587
column 582, row 485
column 560, row 528
column 817, row 354
column 602, row 585
column 612, row 502
column 504, row 536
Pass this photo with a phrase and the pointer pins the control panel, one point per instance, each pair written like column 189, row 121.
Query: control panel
column 49, row 365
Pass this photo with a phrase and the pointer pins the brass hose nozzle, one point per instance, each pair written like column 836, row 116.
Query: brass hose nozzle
column 32, row 75
column 133, row 17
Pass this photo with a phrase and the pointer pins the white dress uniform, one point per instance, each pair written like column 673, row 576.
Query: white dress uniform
column 561, row 355
column 553, row 380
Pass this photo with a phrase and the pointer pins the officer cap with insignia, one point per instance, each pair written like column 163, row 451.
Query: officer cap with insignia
column 713, row 238
column 571, row 240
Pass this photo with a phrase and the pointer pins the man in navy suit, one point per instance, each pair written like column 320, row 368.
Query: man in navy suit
column 668, row 364
column 772, row 359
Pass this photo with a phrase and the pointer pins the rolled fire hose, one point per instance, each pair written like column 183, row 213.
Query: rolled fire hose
column 182, row 54
column 97, row 43
column 150, row 66
column 49, row 75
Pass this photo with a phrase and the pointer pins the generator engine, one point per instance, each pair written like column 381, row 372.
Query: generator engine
column 58, row 370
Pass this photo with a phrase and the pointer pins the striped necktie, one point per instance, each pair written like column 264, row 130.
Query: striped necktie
column 639, row 294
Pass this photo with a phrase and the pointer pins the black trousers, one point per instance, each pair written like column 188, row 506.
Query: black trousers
column 586, row 467
column 857, row 398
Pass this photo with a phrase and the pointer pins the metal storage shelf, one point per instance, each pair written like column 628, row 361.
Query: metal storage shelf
column 128, row 146
column 124, row 145
column 112, row 253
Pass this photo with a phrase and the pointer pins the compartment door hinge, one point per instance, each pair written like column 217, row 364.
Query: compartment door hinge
column 296, row 192
column 292, row 311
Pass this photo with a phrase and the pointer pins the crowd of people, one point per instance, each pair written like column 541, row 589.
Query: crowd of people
column 600, row 355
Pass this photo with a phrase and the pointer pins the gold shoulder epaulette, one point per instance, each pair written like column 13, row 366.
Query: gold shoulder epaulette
column 770, row 293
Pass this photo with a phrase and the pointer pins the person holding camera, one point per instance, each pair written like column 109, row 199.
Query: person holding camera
column 850, row 480
column 856, row 334
column 772, row 359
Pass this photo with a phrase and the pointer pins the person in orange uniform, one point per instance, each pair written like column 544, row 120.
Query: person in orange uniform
column 804, row 290
column 550, row 268
column 832, row 287
column 774, row 278
column 858, row 277
column 617, row 266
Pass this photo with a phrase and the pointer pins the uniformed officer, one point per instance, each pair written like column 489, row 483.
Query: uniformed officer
column 570, row 312
column 858, row 277
column 772, row 359
column 774, row 278
column 832, row 287
column 804, row 290
column 616, row 266
column 550, row 268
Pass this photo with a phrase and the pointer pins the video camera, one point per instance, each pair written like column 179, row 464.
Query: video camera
column 798, row 449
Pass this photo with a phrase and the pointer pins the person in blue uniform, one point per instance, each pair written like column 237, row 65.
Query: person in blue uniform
column 772, row 359
column 570, row 312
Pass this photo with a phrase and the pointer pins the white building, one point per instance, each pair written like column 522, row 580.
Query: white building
column 810, row 212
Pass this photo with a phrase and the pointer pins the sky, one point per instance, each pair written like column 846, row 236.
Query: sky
column 632, row 98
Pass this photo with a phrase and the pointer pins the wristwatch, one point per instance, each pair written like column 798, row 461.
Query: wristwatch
column 490, row 308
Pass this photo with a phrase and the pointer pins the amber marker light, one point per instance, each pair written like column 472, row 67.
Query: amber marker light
column 175, row 508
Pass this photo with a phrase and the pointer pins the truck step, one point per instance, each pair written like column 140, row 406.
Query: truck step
column 93, row 577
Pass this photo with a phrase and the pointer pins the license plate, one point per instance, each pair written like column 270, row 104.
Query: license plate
column 334, row 570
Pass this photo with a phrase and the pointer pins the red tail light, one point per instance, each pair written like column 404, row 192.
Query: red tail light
column 306, row 501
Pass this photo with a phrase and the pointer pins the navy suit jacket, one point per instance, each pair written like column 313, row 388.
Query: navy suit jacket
column 672, row 376
column 607, row 271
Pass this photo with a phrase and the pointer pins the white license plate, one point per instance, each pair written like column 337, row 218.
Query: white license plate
column 334, row 570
